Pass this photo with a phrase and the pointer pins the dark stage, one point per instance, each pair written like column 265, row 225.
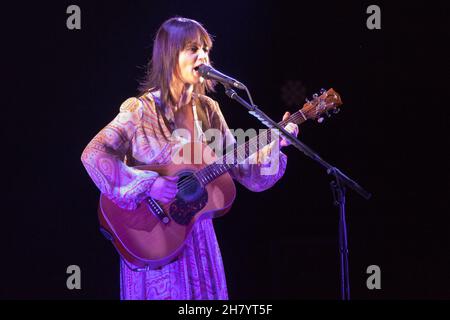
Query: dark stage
column 63, row 86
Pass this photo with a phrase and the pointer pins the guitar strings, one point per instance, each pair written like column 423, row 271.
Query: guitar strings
column 297, row 117
column 192, row 180
column 242, row 153
column 186, row 183
column 241, row 149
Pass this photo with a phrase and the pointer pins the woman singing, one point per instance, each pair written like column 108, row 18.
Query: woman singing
column 172, row 97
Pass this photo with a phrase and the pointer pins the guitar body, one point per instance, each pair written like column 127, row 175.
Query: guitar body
column 149, row 239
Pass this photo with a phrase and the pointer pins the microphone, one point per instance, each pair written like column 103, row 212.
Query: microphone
column 209, row 72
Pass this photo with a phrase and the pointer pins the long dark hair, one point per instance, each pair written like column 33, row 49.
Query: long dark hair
column 171, row 38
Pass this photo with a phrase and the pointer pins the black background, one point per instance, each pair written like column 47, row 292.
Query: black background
column 62, row 86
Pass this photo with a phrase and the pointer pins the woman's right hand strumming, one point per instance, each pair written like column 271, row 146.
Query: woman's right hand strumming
column 164, row 189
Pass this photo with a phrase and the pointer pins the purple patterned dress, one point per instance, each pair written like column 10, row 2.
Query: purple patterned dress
column 136, row 137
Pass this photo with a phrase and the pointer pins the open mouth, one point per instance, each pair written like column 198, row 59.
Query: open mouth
column 196, row 68
column 196, row 72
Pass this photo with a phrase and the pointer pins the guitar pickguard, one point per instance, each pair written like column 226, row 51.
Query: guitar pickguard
column 183, row 211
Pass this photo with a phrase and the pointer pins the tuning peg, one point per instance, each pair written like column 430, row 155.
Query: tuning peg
column 322, row 91
column 336, row 110
column 307, row 100
column 328, row 114
column 321, row 119
column 315, row 95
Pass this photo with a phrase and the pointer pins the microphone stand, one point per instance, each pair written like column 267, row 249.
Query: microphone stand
column 338, row 186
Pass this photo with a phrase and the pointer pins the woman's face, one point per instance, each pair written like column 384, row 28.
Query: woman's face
column 193, row 55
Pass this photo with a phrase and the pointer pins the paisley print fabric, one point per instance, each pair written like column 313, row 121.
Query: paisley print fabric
column 138, row 135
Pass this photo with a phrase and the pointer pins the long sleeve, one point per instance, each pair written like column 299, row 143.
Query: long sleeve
column 261, row 170
column 103, row 159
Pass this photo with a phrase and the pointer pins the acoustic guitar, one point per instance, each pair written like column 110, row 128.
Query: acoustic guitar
column 154, row 234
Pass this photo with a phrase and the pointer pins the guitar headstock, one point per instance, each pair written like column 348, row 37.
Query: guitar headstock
column 328, row 101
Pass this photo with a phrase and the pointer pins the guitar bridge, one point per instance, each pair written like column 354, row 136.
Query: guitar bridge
column 158, row 211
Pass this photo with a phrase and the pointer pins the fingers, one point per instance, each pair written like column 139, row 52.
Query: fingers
column 170, row 189
column 171, row 184
column 166, row 200
column 167, row 196
column 170, row 193
column 292, row 128
column 164, row 189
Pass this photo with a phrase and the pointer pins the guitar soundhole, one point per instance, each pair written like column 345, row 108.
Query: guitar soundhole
column 190, row 199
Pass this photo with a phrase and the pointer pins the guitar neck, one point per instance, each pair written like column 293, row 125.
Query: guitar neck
column 328, row 100
column 243, row 151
